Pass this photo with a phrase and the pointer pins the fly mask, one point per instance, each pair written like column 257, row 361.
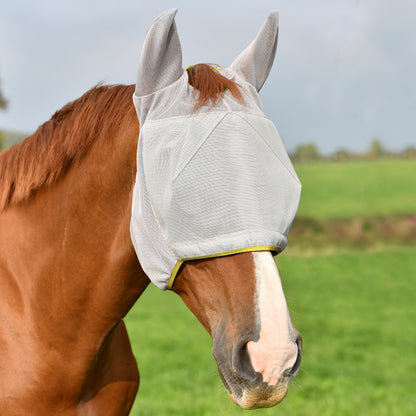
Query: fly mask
column 210, row 182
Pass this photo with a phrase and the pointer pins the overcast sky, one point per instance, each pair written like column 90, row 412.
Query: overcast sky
column 345, row 70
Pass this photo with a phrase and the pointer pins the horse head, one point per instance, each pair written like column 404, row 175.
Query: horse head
column 214, row 199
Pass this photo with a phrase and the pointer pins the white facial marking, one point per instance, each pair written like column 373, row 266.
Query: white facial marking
column 276, row 350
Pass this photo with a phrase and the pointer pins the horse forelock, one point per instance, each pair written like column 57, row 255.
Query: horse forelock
column 210, row 85
column 45, row 156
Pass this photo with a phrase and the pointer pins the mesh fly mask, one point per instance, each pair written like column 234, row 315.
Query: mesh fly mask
column 211, row 182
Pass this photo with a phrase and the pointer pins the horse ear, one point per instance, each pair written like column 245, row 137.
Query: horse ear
column 161, row 60
column 255, row 62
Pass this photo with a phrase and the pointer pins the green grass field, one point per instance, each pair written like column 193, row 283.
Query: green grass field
column 360, row 188
column 355, row 310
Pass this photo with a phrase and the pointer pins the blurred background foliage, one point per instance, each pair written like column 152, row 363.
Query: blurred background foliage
column 3, row 105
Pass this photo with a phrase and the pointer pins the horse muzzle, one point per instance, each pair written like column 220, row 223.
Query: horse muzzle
column 267, row 385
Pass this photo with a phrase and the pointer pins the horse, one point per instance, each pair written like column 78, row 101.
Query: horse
column 69, row 270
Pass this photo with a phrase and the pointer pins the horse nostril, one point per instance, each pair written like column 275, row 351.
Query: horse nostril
column 292, row 372
column 241, row 362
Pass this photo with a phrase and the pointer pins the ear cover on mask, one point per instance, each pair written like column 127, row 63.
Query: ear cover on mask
column 161, row 59
column 255, row 62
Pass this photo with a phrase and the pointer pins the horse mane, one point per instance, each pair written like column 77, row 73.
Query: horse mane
column 45, row 156
column 211, row 85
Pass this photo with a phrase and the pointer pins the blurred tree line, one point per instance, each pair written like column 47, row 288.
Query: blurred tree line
column 3, row 105
column 309, row 152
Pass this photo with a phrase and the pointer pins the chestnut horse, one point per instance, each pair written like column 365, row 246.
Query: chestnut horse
column 69, row 274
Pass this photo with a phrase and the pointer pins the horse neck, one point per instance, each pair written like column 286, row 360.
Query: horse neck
column 68, row 251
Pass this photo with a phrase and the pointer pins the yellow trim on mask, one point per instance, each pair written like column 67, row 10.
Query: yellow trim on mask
column 218, row 68
column 180, row 262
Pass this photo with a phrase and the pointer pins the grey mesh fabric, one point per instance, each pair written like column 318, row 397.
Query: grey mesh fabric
column 211, row 182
